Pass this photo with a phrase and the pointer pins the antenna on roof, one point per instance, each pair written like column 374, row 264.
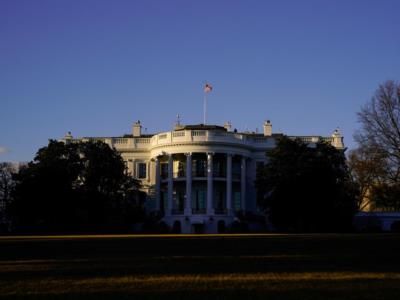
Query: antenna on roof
column 178, row 123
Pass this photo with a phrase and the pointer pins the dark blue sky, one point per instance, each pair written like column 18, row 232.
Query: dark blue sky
column 94, row 67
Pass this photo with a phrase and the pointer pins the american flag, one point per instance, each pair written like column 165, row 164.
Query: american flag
column 207, row 88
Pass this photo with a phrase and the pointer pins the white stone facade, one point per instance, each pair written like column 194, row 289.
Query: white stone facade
column 199, row 177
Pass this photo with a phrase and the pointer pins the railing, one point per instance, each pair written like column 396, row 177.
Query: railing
column 221, row 133
column 198, row 133
column 187, row 136
column 259, row 139
column 97, row 140
column 143, row 140
column 120, row 140
column 238, row 136
column 178, row 133
column 306, row 139
column 328, row 140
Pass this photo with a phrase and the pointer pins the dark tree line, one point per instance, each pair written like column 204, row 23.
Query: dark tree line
column 306, row 188
column 6, row 187
column 75, row 187
column 6, row 183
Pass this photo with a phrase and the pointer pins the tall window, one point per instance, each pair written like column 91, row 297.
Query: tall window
column 142, row 170
column 236, row 169
column 179, row 168
column 199, row 195
column 164, row 170
column 179, row 198
column 219, row 167
column 237, row 201
column 219, row 196
column 200, row 167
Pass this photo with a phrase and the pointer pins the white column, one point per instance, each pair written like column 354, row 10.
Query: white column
column 134, row 169
column 210, row 210
column 243, row 184
column 188, row 204
column 158, row 184
column 131, row 168
column 170, row 186
column 148, row 171
column 229, row 183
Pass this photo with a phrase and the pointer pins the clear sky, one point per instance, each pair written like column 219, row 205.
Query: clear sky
column 94, row 67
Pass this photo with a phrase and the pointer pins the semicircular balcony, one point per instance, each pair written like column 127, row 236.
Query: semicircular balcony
column 201, row 183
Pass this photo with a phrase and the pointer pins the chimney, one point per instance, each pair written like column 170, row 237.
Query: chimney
column 228, row 126
column 68, row 136
column 337, row 139
column 137, row 129
column 267, row 128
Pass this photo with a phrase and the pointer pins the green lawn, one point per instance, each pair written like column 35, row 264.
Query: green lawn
column 309, row 266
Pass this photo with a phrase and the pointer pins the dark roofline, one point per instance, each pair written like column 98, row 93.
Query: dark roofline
column 258, row 134
column 201, row 127
column 143, row 135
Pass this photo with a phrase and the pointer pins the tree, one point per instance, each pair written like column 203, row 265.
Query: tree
column 74, row 186
column 112, row 196
column 367, row 169
column 44, row 196
column 306, row 188
column 375, row 163
column 6, row 182
column 6, row 187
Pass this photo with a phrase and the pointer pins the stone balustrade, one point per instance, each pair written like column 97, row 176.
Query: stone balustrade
column 190, row 136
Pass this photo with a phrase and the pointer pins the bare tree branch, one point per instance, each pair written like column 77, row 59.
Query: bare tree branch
column 377, row 159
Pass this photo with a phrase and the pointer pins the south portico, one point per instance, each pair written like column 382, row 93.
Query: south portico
column 200, row 190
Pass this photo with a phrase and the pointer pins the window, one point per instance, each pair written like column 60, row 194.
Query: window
column 199, row 167
column 142, row 168
column 237, row 205
column 236, row 169
column 179, row 168
column 219, row 167
column 164, row 170
column 199, row 198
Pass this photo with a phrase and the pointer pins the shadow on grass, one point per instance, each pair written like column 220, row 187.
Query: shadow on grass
column 64, row 268
column 330, row 290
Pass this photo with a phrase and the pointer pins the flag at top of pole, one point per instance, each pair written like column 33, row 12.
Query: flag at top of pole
column 207, row 88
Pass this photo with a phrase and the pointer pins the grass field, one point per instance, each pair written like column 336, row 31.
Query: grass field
column 312, row 266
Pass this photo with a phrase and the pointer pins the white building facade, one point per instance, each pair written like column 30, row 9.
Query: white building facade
column 199, row 178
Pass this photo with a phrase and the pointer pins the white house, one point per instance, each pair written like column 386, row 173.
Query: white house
column 199, row 177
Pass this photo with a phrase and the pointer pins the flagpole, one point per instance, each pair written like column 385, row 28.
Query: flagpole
column 204, row 108
column 207, row 89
